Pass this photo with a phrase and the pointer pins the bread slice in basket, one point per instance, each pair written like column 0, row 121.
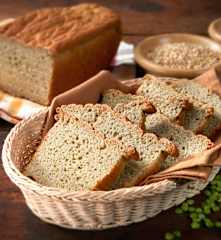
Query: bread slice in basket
column 166, row 100
column 75, row 157
column 151, row 149
column 197, row 91
column 186, row 141
column 135, row 111
column 195, row 118
column 130, row 106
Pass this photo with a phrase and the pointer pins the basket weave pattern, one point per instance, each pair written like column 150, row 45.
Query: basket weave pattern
column 87, row 209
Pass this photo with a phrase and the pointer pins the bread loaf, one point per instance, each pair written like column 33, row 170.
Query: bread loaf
column 75, row 157
column 47, row 51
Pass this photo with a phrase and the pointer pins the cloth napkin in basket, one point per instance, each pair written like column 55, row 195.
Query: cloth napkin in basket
column 192, row 168
column 13, row 109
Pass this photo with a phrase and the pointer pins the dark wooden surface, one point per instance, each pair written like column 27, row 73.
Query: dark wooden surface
column 140, row 18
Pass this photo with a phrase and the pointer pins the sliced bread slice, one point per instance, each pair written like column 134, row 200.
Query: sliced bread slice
column 195, row 90
column 112, row 97
column 152, row 151
column 186, row 141
column 132, row 107
column 166, row 100
column 74, row 157
column 198, row 116
column 135, row 111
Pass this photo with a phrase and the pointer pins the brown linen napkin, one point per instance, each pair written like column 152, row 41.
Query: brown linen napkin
column 211, row 79
column 88, row 92
column 198, row 166
column 195, row 173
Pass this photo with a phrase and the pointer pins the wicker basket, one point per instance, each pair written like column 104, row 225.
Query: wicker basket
column 87, row 209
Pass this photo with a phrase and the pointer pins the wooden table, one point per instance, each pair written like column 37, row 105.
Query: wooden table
column 140, row 18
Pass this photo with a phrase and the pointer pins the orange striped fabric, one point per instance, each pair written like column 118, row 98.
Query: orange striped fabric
column 13, row 109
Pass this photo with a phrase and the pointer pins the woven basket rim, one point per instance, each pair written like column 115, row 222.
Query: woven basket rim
column 26, row 183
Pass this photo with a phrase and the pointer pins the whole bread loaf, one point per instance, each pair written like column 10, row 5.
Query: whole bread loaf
column 48, row 51
column 74, row 157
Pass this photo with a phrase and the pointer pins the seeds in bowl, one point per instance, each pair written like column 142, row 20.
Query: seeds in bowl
column 184, row 56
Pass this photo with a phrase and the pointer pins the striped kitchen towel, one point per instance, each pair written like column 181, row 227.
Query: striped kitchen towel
column 14, row 109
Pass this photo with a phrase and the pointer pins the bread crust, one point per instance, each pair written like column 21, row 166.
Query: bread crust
column 56, row 29
column 79, row 61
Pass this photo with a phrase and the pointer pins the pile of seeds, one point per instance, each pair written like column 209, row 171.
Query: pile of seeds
column 184, row 56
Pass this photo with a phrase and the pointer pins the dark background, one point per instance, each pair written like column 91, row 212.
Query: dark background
column 140, row 18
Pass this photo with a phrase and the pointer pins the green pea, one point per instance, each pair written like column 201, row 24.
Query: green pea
column 169, row 236
column 195, row 225
column 199, row 210
column 216, row 208
column 194, row 215
column 206, row 210
column 218, row 224
column 190, row 201
column 177, row 234
column 179, row 211
column 191, row 209
column 184, row 207
column 208, row 223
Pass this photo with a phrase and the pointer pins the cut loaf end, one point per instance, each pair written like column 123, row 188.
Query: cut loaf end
column 25, row 72
column 37, row 50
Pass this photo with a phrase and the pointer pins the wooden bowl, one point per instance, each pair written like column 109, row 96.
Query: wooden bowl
column 155, row 41
column 214, row 30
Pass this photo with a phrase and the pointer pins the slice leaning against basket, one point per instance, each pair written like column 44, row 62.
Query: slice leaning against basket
column 151, row 149
column 74, row 157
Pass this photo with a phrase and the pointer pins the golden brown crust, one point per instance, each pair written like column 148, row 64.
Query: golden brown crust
column 106, row 183
column 80, row 64
column 55, row 29
column 171, row 148
column 152, row 168
column 204, row 124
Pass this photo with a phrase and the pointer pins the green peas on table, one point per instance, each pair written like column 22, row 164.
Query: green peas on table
column 199, row 214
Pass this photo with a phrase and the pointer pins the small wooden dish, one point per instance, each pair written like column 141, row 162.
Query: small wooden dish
column 155, row 41
column 214, row 30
